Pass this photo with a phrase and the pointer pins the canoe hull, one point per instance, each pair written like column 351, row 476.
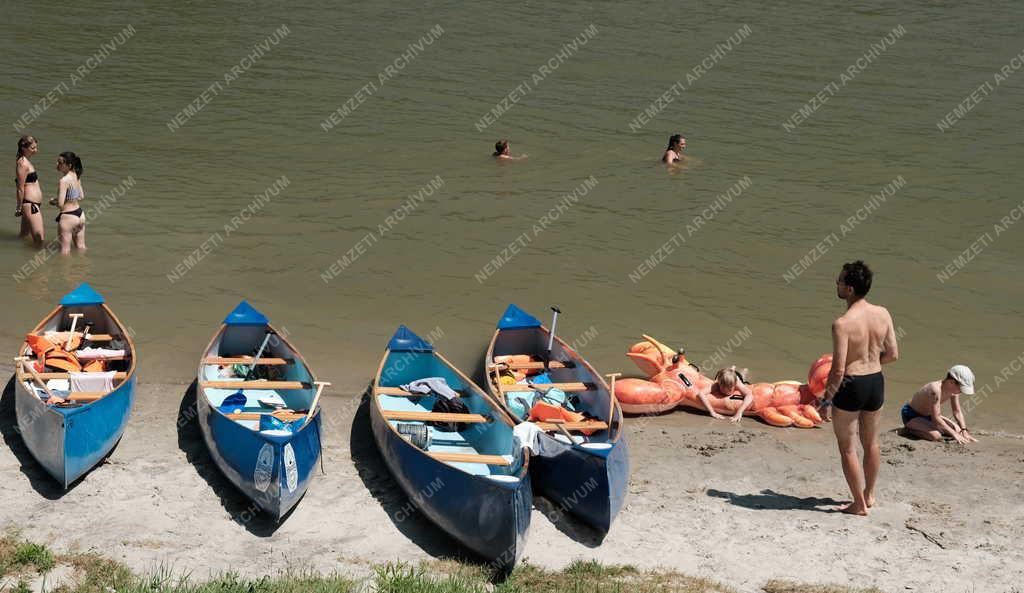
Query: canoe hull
column 589, row 485
column 490, row 518
column 272, row 471
column 588, row 481
column 68, row 442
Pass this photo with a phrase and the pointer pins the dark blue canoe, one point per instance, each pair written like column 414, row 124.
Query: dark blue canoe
column 588, row 478
column 69, row 438
column 258, row 428
column 473, row 484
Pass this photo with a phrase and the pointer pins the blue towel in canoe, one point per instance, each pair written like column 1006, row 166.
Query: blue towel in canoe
column 268, row 422
column 233, row 402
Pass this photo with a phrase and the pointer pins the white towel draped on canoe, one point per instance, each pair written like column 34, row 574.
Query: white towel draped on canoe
column 102, row 382
column 530, row 436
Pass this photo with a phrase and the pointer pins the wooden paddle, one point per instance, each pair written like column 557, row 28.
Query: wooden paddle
column 312, row 409
column 71, row 334
column 611, row 396
column 23, row 360
column 259, row 354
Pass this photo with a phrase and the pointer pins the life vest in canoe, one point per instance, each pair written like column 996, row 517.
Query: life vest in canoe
column 542, row 411
column 51, row 355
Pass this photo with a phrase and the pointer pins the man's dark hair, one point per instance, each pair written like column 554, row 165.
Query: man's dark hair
column 857, row 276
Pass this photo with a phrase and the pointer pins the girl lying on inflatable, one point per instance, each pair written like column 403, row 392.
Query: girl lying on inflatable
column 675, row 382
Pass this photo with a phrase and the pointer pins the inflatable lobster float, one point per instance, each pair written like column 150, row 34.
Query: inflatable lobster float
column 673, row 381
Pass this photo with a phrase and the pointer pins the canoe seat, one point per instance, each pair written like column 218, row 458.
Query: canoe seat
column 91, row 338
column 544, row 387
column 224, row 360
column 255, row 385
column 529, row 366
column 585, row 425
column 436, row 417
column 471, row 458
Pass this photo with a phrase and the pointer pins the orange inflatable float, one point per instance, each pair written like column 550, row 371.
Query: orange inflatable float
column 675, row 382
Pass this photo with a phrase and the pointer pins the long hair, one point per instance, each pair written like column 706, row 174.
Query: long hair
column 500, row 146
column 673, row 140
column 70, row 158
column 23, row 143
column 728, row 377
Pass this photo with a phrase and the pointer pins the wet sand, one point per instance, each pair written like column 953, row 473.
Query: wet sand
column 741, row 504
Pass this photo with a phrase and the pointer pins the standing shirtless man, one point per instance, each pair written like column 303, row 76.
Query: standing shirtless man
column 863, row 340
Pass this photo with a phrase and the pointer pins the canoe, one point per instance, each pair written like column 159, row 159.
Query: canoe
column 589, row 477
column 473, row 484
column 254, row 411
column 68, row 438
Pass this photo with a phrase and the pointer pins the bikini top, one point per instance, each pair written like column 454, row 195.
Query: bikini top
column 74, row 193
column 31, row 177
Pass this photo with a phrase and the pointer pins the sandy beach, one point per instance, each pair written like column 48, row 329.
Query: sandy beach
column 740, row 504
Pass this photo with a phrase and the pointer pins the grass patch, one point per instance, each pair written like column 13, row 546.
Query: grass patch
column 18, row 555
column 790, row 587
column 94, row 573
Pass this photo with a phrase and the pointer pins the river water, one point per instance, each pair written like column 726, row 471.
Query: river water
column 331, row 165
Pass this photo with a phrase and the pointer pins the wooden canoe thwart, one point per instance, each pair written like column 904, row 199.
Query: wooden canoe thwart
column 585, row 425
column 226, row 360
column 44, row 376
column 280, row 415
column 545, row 387
column 531, row 366
column 437, row 417
column 255, row 385
column 471, row 458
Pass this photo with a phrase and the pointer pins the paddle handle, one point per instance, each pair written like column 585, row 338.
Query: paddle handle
column 259, row 352
column 23, row 360
column 71, row 334
column 312, row 409
column 611, row 396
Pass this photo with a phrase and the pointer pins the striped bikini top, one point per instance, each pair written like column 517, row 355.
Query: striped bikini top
column 73, row 194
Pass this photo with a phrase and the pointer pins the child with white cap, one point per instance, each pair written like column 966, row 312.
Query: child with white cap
column 922, row 416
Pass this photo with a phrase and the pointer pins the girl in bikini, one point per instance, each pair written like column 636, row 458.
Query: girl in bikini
column 71, row 220
column 729, row 385
column 29, row 195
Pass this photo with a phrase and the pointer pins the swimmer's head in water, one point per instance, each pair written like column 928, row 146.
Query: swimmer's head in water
column 856, row 277
column 676, row 142
column 500, row 147
column 26, row 146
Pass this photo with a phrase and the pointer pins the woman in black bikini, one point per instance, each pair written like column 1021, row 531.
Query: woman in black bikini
column 29, row 195
column 71, row 220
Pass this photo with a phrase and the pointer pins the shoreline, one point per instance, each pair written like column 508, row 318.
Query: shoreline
column 708, row 499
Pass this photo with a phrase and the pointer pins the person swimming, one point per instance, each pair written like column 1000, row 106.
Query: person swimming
column 71, row 220
column 28, row 194
column 503, row 151
column 674, row 152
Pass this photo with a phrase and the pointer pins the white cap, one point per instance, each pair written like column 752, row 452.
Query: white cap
column 964, row 377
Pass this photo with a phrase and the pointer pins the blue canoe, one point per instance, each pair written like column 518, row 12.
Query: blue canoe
column 71, row 437
column 588, row 478
column 257, row 426
column 473, row 484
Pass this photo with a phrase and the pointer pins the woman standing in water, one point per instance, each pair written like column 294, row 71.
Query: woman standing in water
column 28, row 194
column 674, row 152
column 71, row 220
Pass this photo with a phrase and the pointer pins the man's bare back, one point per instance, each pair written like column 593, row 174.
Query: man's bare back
column 868, row 332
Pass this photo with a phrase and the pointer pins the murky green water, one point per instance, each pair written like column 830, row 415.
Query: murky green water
column 261, row 81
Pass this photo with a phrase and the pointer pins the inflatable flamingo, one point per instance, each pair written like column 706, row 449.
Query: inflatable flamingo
column 673, row 381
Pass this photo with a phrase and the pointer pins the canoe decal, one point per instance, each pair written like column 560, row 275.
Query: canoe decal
column 265, row 467
column 291, row 471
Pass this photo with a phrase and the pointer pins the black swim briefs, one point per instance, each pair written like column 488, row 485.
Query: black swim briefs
column 861, row 393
